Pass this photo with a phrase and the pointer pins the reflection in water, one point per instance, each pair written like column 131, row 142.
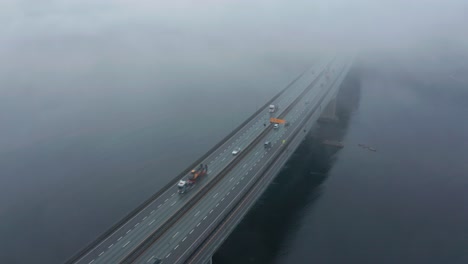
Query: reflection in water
column 259, row 237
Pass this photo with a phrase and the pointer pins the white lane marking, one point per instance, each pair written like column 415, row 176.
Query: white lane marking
column 126, row 244
column 176, row 247
column 214, row 196
column 172, row 194
column 166, row 200
column 247, row 173
column 244, row 166
column 204, row 218
column 217, row 204
column 91, row 261
column 144, row 218
column 251, row 168
column 119, row 239
column 168, row 255
column 209, row 172
column 228, row 193
column 223, row 159
column 100, row 254
column 159, row 205
column 191, row 231
column 222, row 199
column 184, row 239
column 242, row 178
column 255, row 164
column 129, row 231
column 237, row 183
column 150, row 259
column 233, row 187
column 211, row 211
column 173, row 203
column 151, row 222
column 137, row 224
column 198, row 224
column 111, row 245
column 175, row 235
column 231, row 179
column 197, row 213
column 256, row 153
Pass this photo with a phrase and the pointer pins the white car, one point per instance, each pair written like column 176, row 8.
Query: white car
column 236, row 151
column 275, row 126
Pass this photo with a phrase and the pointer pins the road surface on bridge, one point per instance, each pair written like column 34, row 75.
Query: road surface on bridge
column 178, row 242
column 124, row 239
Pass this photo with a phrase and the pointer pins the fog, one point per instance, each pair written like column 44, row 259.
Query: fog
column 76, row 48
column 81, row 80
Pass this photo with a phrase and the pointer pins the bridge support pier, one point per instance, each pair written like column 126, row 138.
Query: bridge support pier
column 329, row 113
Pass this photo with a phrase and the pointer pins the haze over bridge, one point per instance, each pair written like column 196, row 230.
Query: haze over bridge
column 188, row 228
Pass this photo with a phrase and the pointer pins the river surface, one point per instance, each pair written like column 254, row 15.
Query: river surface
column 101, row 104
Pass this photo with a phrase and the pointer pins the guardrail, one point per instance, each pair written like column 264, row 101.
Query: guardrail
column 206, row 189
column 172, row 182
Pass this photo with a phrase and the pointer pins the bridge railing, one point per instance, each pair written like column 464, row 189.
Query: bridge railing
column 173, row 182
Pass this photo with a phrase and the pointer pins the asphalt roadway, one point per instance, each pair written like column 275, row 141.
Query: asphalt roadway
column 206, row 245
column 175, row 245
column 130, row 235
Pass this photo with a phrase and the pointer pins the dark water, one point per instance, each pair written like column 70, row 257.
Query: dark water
column 405, row 203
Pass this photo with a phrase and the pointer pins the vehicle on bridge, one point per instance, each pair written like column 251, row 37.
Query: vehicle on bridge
column 272, row 108
column 236, row 151
column 157, row 261
column 186, row 184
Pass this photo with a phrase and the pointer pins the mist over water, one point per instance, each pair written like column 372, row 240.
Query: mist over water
column 101, row 103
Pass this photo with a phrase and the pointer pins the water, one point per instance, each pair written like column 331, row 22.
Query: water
column 102, row 103
column 404, row 203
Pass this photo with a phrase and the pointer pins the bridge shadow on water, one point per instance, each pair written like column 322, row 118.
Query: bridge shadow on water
column 260, row 237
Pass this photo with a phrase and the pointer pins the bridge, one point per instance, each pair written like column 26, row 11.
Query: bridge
column 188, row 228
